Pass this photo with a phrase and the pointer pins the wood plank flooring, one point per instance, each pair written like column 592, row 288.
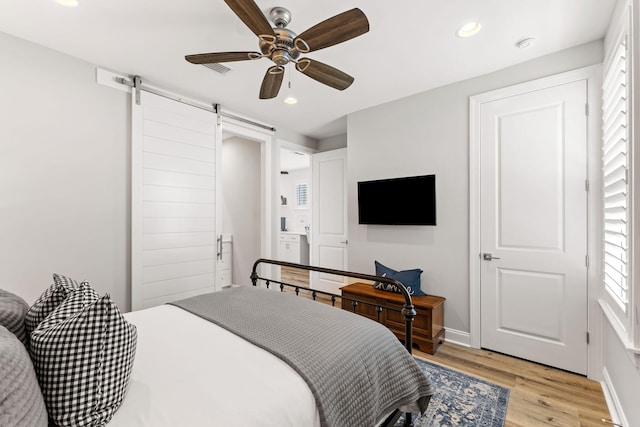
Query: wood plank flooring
column 539, row 395
column 294, row 276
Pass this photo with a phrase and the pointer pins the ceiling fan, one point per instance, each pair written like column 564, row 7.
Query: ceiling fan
column 282, row 46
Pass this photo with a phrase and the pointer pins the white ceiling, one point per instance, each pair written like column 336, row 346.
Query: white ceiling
column 411, row 47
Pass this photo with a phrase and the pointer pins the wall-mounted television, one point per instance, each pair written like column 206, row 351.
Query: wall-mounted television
column 398, row 201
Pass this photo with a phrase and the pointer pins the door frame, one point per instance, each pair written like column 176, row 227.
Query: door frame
column 592, row 75
column 268, row 148
column 287, row 145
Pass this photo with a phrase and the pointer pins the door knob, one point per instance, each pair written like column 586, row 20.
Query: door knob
column 488, row 257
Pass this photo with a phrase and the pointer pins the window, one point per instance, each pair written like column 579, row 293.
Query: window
column 615, row 169
column 621, row 297
column 302, row 196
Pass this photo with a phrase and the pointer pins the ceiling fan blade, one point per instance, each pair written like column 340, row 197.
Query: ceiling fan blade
column 332, row 31
column 324, row 73
column 213, row 58
column 271, row 82
column 249, row 12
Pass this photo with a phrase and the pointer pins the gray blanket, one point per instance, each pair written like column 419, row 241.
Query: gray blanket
column 357, row 369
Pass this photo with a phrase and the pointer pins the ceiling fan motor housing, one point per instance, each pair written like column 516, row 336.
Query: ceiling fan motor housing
column 281, row 50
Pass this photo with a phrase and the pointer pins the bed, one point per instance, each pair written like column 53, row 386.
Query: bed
column 253, row 356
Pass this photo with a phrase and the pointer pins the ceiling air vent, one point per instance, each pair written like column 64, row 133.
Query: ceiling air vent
column 218, row 68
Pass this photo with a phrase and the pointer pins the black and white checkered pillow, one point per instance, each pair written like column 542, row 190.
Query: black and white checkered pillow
column 83, row 359
column 50, row 299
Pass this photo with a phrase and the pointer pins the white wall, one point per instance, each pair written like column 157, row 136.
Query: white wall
column 423, row 134
column 622, row 378
column 64, row 174
column 241, row 176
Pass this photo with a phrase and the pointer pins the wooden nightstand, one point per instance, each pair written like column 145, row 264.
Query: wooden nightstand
column 428, row 325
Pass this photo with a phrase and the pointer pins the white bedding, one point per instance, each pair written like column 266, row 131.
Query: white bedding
column 190, row 372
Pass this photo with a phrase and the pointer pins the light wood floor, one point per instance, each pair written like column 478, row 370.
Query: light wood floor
column 539, row 395
column 294, row 276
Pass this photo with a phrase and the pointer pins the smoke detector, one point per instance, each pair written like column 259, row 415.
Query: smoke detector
column 525, row 42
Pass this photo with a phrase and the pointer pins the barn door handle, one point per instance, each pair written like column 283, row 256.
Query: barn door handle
column 488, row 257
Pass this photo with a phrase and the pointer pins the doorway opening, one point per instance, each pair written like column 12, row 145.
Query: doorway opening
column 241, row 177
column 295, row 214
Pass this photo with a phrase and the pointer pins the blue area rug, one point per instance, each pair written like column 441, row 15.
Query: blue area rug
column 461, row 400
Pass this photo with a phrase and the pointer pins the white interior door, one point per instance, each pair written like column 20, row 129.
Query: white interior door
column 533, row 225
column 329, row 230
column 173, row 213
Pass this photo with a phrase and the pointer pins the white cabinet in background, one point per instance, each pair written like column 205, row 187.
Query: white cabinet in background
column 294, row 248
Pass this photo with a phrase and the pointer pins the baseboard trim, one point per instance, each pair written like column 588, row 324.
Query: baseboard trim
column 613, row 403
column 457, row 337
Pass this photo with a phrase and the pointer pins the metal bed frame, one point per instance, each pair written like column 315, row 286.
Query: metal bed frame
column 408, row 310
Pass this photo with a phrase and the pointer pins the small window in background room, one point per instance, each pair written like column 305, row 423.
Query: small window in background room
column 302, row 196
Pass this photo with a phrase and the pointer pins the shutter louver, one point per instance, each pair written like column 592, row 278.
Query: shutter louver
column 615, row 176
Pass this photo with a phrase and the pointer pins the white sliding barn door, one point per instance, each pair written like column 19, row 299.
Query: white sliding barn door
column 173, row 228
column 533, row 225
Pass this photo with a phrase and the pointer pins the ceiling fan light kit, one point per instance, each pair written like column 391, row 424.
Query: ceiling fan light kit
column 283, row 46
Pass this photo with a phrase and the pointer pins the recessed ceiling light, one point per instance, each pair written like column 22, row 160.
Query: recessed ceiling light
column 469, row 29
column 525, row 42
column 68, row 3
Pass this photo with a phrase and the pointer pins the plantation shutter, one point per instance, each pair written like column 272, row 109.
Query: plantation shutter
column 615, row 164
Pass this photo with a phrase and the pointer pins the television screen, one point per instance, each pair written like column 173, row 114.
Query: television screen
column 398, row 201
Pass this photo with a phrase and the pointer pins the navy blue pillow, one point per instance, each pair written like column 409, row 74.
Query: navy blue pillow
column 409, row 278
